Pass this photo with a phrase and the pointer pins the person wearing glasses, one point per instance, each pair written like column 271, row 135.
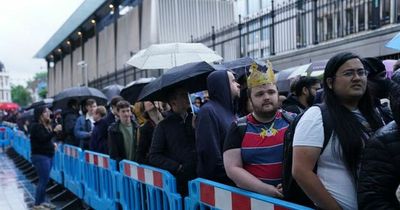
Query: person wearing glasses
column 352, row 120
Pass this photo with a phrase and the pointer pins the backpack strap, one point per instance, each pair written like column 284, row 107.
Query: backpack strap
column 242, row 125
column 327, row 123
column 287, row 117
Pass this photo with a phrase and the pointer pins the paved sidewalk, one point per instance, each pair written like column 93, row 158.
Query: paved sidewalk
column 16, row 192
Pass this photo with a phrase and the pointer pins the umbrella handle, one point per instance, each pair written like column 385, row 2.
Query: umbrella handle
column 191, row 105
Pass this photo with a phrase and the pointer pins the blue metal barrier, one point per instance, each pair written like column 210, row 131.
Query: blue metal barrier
column 56, row 172
column 17, row 142
column 99, row 180
column 204, row 193
column 145, row 187
column 73, row 169
column 4, row 137
column 26, row 150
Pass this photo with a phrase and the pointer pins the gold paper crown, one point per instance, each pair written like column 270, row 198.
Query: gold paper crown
column 257, row 78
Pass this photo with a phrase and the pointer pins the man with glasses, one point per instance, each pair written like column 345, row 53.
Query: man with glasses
column 305, row 90
column 327, row 168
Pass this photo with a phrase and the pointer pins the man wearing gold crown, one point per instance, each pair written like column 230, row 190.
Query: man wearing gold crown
column 253, row 148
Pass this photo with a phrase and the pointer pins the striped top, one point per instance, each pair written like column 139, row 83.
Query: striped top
column 262, row 152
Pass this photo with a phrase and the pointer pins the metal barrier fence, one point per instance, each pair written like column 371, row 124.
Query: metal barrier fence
column 94, row 178
column 204, row 193
column 145, row 187
column 99, row 181
column 73, row 168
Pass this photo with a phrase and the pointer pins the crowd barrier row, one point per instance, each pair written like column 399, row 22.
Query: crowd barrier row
column 96, row 179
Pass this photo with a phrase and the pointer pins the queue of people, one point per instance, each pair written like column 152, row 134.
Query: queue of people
column 354, row 165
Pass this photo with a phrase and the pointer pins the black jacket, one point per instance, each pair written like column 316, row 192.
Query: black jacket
column 292, row 104
column 173, row 145
column 98, row 141
column 145, row 138
column 380, row 170
column 69, row 118
column 116, row 141
column 41, row 140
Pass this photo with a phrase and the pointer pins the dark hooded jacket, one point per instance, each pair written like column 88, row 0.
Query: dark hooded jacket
column 212, row 125
column 98, row 141
column 292, row 104
column 69, row 118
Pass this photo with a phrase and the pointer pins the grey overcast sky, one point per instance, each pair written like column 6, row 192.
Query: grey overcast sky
column 25, row 26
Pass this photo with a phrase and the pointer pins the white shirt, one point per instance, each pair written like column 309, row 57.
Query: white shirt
column 332, row 170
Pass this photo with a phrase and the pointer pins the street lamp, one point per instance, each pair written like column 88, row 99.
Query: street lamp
column 83, row 66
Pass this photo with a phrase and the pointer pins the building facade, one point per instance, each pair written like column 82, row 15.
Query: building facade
column 5, row 89
column 292, row 33
column 102, row 35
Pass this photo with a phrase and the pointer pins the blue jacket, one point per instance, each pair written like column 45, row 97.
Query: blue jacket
column 82, row 131
column 212, row 125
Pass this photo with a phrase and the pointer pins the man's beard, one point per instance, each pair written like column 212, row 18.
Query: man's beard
column 265, row 114
column 310, row 100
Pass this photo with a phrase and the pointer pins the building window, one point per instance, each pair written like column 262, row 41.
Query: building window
column 385, row 12
column 398, row 12
column 361, row 17
column 349, row 21
column 329, row 27
column 301, row 30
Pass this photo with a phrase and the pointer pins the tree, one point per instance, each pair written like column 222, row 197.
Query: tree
column 20, row 95
column 38, row 84
column 43, row 93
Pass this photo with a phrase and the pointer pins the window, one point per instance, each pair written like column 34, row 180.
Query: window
column 385, row 12
column 361, row 17
column 349, row 21
column 329, row 27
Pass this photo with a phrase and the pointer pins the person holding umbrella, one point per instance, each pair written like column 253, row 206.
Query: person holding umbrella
column 173, row 145
column 42, row 150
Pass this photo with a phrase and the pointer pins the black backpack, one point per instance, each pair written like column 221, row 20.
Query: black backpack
column 291, row 190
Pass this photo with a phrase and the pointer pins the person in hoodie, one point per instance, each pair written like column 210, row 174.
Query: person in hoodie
column 69, row 117
column 212, row 124
column 305, row 91
column 379, row 86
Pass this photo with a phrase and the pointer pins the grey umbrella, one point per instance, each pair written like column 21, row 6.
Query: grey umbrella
column 112, row 90
column 80, row 94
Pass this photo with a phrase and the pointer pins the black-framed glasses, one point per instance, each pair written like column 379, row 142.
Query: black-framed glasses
column 351, row 73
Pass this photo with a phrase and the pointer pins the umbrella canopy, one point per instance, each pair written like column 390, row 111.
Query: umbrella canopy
column 132, row 90
column 165, row 56
column 394, row 43
column 45, row 102
column 313, row 69
column 80, row 94
column 389, row 64
column 282, row 81
column 241, row 66
column 192, row 76
column 111, row 91
column 8, row 106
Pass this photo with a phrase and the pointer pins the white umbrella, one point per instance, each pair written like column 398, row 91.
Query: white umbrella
column 166, row 56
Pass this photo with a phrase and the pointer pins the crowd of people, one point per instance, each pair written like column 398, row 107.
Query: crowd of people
column 344, row 145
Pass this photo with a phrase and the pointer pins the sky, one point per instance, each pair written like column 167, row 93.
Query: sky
column 25, row 26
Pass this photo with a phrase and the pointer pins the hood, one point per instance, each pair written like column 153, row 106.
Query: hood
column 292, row 100
column 219, row 89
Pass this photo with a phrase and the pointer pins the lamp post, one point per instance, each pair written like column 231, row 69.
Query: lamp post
column 83, row 66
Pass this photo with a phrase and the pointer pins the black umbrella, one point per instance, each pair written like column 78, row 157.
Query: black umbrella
column 132, row 90
column 192, row 76
column 241, row 66
column 80, row 94
column 45, row 102
column 112, row 90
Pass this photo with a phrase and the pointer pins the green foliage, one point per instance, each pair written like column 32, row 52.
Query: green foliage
column 20, row 95
column 42, row 93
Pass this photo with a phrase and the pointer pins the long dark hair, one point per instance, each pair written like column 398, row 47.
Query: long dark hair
column 345, row 125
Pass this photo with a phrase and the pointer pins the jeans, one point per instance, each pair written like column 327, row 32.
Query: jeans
column 42, row 165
